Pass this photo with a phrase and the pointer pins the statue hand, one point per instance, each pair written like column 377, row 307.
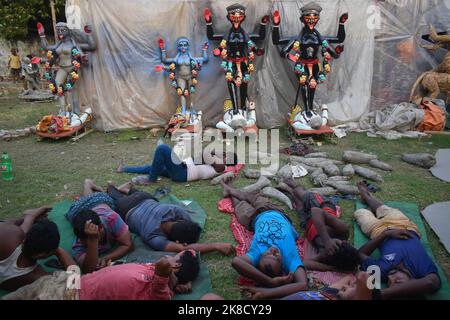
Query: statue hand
column 206, row 45
column 41, row 30
column 339, row 49
column 87, row 29
column 343, row 18
column 276, row 18
column 265, row 19
column 207, row 15
column 161, row 43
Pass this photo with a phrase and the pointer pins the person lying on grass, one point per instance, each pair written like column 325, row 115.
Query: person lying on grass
column 23, row 242
column 132, row 281
column 98, row 228
column 167, row 164
column 324, row 230
column 404, row 264
column 164, row 227
column 273, row 261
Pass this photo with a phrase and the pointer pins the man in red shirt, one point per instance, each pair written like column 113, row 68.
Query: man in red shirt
column 323, row 229
column 152, row 281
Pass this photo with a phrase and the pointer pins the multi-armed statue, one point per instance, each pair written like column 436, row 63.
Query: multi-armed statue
column 237, row 50
column 67, row 52
column 183, row 72
column 309, row 69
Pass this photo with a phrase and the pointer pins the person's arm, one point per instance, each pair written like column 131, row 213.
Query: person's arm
column 366, row 250
column 160, row 284
column 245, row 268
column 319, row 217
column 316, row 265
column 64, row 258
column 300, row 284
column 222, row 247
column 412, row 288
column 31, row 215
column 89, row 260
column 125, row 246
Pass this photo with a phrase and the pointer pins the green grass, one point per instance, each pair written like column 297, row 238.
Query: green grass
column 49, row 171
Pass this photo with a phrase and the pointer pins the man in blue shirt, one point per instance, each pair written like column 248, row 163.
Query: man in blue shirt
column 404, row 264
column 272, row 261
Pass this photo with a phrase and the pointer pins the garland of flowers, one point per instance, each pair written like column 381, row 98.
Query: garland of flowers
column 299, row 68
column 228, row 65
column 52, row 57
column 195, row 69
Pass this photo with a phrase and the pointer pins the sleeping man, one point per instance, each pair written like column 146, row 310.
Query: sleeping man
column 404, row 264
column 324, row 230
column 133, row 281
column 99, row 230
column 23, row 242
column 163, row 227
column 273, row 261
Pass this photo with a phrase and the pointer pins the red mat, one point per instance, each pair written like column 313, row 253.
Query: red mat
column 322, row 130
column 244, row 239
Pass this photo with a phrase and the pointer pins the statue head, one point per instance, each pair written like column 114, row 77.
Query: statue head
column 183, row 45
column 236, row 14
column 311, row 15
column 62, row 30
column 315, row 122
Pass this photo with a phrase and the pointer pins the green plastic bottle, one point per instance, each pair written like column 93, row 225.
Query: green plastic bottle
column 6, row 166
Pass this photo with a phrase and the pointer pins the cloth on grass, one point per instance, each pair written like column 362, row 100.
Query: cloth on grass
column 394, row 121
column 412, row 211
column 88, row 203
column 317, row 280
column 142, row 253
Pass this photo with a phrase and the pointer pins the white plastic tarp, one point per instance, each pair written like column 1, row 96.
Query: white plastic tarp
column 125, row 92
column 381, row 62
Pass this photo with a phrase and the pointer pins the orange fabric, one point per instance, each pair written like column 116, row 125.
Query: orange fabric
column 434, row 118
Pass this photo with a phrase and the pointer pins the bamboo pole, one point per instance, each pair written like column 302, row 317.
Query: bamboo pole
column 52, row 7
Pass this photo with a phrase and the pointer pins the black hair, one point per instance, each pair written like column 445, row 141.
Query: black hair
column 79, row 222
column 190, row 267
column 43, row 238
column 346, row 258
column 185, row 232
column 269, row 271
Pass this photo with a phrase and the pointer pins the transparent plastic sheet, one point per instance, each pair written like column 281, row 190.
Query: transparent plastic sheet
column 120, row 85
column 399, row 57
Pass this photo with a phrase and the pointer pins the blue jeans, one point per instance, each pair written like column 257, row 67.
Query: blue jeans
column 162, row 166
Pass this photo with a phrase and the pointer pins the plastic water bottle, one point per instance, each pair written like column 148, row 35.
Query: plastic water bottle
column 6, row 166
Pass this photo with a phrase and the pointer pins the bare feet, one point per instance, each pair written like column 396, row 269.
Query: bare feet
column 363, row 191
column 226, row 189
column 126, row 187
column 120, row 167
column 291, row 183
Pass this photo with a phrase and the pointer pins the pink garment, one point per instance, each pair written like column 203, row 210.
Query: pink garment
column 235, row 169
column 125, row 282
